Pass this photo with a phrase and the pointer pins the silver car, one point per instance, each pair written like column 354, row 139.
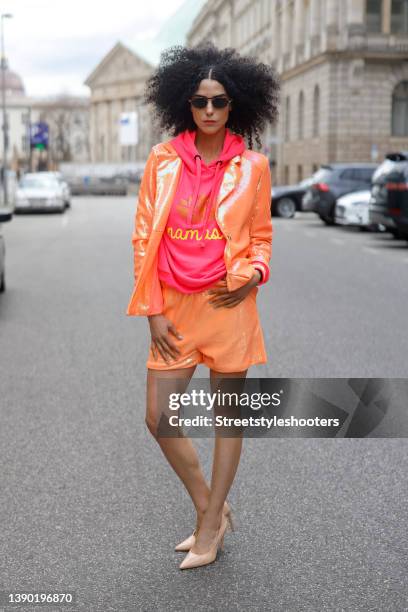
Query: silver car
column 65, row 187
column 40, row 191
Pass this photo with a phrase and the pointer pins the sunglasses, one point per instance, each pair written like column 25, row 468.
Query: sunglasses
column 217, row 101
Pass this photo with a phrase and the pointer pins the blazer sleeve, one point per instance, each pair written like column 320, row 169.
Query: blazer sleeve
column 260, row 248
column 144, row 212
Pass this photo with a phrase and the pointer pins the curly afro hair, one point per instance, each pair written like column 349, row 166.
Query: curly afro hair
column 253, row 86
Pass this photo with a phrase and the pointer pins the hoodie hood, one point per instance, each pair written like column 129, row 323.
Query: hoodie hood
column 193, row 164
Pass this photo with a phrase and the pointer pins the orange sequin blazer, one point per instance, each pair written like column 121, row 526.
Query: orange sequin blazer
column 243, row 213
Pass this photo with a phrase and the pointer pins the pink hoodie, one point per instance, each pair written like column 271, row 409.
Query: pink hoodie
column 191, row 251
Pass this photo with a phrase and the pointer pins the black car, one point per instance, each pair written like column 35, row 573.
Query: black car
column 334, row 180
column 389, row 195
column 5, row 215
column 287, row 199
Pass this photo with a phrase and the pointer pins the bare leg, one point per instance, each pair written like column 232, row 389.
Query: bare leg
column 227, row 452
column 179, row 451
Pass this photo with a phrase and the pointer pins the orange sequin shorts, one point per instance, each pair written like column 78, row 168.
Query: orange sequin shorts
column 224, row 339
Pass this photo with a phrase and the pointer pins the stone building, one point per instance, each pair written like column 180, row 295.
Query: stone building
column 67, row 117
column 344, row 71
column 117, row 86
column 64, row 115
column 18, row 111
column 245, row 25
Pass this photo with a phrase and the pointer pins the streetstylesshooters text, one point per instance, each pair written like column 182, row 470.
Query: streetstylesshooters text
column 254, row 401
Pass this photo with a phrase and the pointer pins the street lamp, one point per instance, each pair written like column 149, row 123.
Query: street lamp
column 5, row 125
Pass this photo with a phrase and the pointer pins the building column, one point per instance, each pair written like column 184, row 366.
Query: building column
column 97, row 106
column 299, row 24
column 386, row 17
column 315, row 17
column 355, row 17
column 331, row 25
column 355, row 11
column 109, row 130
column 285, row 29
column 275, row 20
column 230, row 25
column 331, row 13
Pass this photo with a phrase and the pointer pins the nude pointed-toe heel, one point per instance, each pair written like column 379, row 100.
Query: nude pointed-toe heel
column 230, row 520
column 189, row 542
column 186, row 544
column 193, row 559
column 222, row 542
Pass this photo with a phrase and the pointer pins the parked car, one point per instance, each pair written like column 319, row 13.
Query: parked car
column 389, row 195
column 65, row 187
column 38, row 191
column 332, row 181
column 98, row 185
column 287, row 199
column 12, row 182
column 5, row 215
column 102, row 178
column 353, row 209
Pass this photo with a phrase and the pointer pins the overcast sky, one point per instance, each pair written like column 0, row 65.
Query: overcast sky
column 55, row 44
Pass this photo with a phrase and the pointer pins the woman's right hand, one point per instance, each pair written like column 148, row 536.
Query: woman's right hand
column 160, row 329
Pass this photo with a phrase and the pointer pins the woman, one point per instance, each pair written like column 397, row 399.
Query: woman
column 202, row 243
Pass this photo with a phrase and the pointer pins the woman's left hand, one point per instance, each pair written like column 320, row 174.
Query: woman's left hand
column 229, row 299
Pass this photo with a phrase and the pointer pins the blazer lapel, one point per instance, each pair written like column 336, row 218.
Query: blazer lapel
column 168, row 174
column 230, row 179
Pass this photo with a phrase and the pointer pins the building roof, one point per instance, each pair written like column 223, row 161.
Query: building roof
column 13, row 83
column 173, row 32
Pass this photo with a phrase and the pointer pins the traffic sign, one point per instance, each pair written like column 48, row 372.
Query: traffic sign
column 39, row 134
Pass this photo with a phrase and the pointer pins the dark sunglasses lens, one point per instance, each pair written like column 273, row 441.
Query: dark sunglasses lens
column 220, row 102
column 202, row 102
column 199, row 102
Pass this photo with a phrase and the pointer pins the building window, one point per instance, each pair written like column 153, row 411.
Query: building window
column 299, row 173
column 400, row 110
column 316, row 111
column 286, row 177
column 374, row 16
column 315, row 168
column 287, row 119
column 301, row 115
column 399, row 17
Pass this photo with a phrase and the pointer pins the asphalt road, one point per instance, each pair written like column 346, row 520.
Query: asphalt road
column 88, row 502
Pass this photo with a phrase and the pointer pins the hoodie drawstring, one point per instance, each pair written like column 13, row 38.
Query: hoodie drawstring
column 184, row 145
column 211, row 200
column 197, row 159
